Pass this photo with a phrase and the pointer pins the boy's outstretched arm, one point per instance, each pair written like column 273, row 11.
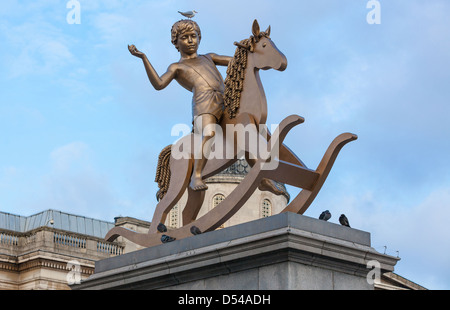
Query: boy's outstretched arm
column 220, row 59
column 158, row 82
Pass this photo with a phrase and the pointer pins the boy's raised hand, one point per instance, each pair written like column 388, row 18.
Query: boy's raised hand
column 135, row 52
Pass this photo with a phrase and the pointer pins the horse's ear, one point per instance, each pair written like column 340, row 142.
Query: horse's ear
column 268, row 31
column 255, row 29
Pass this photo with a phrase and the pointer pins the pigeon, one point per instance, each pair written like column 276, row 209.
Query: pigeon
column 188, row 14
column 167, row 239
column 195, row 230
column 343, row 220
column 325, row 216
column 161, row 228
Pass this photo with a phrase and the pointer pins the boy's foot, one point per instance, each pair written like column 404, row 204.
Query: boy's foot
column 198, row 185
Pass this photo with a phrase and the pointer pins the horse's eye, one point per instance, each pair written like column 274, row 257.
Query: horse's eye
column 264, row 44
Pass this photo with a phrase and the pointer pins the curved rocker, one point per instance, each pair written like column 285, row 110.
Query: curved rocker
column 310, row 180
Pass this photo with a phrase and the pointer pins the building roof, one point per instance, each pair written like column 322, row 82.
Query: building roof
column 61, row 220
column 391, row 280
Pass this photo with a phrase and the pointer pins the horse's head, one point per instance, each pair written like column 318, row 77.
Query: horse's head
column 257, row 52
column 266, row 54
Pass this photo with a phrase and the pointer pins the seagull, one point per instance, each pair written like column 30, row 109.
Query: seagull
column 188, row 14
column 166, row 239
column 343, row 220
column 161, row 228
column 325, row 215
column 195, row 230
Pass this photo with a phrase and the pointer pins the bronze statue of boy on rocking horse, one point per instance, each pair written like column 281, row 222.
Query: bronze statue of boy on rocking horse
column 239, row 102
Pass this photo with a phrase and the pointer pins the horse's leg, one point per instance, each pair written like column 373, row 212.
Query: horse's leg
column 266, row 184
column 274, row 142
column 286, row 154
column 226, row 144
column 193, row 205
column 265, row 142
column 181, row 170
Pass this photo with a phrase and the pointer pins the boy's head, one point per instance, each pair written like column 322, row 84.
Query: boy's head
column 183, row 26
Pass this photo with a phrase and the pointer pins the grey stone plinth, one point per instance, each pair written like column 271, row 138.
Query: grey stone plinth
column 285, row 251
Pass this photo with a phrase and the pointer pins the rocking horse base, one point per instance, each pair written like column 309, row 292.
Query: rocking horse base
column 283, row 252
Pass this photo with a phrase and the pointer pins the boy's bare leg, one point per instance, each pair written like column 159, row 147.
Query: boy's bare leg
column 202, row 126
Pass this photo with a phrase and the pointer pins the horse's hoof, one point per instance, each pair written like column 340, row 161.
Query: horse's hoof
column 269, row 185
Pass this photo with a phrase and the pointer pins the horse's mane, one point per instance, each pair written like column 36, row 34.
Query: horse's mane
column 234, row 81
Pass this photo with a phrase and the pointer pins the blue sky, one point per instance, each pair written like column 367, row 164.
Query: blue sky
column 81, row 127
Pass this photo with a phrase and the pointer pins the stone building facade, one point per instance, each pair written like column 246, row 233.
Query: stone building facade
column 50, row 249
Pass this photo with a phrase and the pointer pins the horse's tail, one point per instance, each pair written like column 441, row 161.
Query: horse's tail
column 163, row 172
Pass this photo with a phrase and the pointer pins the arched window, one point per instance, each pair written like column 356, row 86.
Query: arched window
column 266, row 208
column 217, row 199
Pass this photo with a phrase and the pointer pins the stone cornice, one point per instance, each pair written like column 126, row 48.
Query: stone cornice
column 39, row 259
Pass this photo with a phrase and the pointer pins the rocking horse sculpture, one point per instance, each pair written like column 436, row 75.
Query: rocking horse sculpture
column 246, row 107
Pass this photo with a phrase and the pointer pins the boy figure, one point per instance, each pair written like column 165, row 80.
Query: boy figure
column 198, row 74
